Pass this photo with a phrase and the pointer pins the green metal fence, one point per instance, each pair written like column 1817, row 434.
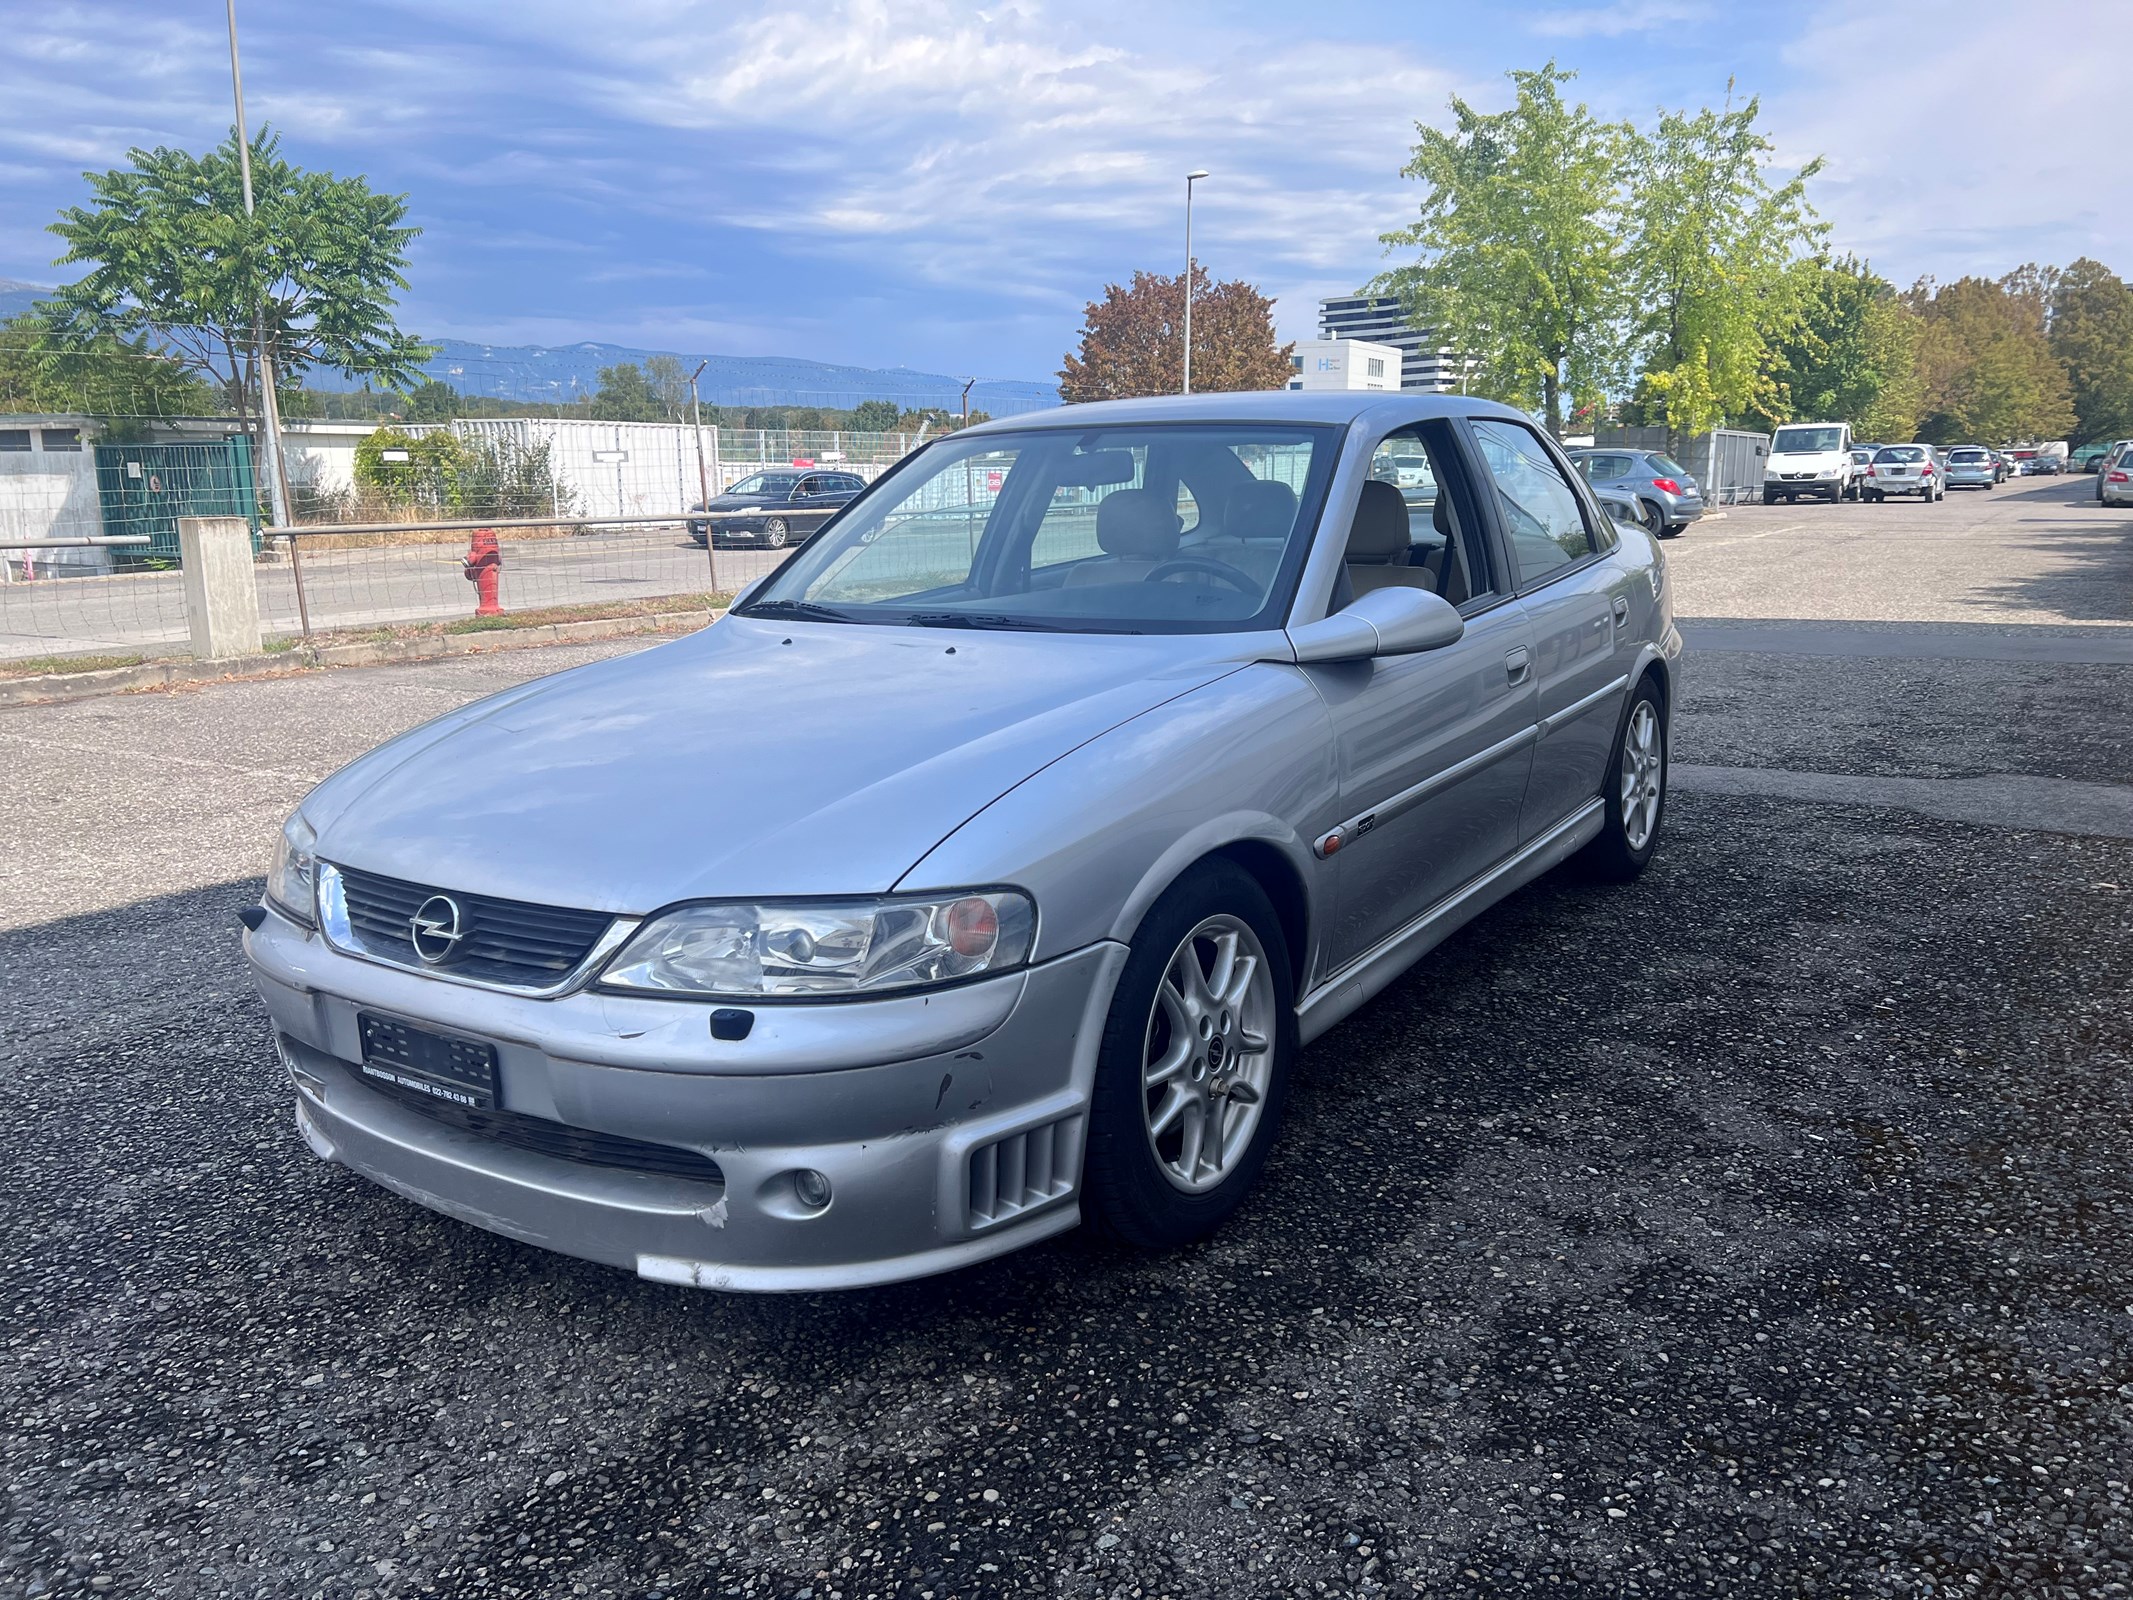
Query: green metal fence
column 145, row 488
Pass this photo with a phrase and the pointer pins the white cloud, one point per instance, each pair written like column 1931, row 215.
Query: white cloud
column 1945, row 156
column 1612, row 21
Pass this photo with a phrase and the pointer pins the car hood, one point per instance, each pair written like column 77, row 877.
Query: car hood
column 753, row 758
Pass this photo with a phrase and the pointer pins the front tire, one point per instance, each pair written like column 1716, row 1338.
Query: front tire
column 1194, row 1069
column 1635, row 794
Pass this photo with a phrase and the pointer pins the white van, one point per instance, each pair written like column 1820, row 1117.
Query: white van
column 1809, row 458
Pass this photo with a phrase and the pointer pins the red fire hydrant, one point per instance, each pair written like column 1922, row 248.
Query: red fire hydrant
column 484, row 564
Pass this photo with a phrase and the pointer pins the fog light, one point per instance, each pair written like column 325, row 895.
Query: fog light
column 811, row 1188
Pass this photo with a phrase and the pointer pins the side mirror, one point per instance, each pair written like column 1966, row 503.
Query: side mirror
column 1384, row 622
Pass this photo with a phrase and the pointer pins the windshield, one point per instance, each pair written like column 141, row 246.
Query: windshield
column 1902, row 452
column 1162, row 528
column 767, row 483
column 1806, row 441
column 1667, row 466
column 1968, row 455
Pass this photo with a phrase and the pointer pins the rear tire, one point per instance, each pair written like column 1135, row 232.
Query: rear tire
column 1635, row 794
column 1173, row 1046
column 775, row 533
column 1651, row 519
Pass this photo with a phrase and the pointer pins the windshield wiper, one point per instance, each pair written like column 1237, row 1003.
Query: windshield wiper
column 1000, row 619
column 801, row 610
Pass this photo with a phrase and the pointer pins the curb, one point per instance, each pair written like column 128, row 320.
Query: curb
column 47, row 688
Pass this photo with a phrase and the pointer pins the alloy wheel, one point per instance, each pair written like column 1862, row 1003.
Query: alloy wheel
column 1643, row 774
column 1207, row 1054
column 774, row 533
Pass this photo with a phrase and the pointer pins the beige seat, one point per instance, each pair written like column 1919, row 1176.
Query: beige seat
column 1137, row 529
column 1257, row 518
column 1378, row 542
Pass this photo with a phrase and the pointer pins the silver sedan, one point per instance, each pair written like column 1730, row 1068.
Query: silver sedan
column 987, row 868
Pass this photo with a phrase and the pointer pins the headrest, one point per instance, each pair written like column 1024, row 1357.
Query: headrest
column 1138, row 523
column 1261, row 509
column 1440, row 514
column 1379, row 535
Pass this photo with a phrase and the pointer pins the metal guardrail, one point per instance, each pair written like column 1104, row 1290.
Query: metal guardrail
column 86, row 542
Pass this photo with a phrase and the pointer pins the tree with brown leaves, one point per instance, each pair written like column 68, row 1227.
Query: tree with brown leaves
column 1132, row 343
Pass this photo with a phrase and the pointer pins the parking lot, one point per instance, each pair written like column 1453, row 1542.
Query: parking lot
column 1764, row 1227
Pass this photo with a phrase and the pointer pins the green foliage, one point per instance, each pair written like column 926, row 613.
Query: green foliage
column 875, row 416
column 1850, row 354
column 432, row 401
column 2092, row 336
column 1522, row 263
column 44, row 367
column 450, row 476
column 1985, row 366
column 625, row 395
column 174, row 259
column 1708, row 256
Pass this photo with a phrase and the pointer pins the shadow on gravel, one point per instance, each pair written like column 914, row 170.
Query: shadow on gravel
column 1758, row 1228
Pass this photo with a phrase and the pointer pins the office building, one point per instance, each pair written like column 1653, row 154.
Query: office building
column 1381, row 319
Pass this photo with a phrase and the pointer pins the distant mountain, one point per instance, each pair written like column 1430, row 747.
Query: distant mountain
column 565, row 372
column 568, row 372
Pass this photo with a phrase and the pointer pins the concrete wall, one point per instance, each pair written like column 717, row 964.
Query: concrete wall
column 49, row 494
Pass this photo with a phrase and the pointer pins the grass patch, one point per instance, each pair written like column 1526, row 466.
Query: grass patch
column 593, row 611
column 41, row 666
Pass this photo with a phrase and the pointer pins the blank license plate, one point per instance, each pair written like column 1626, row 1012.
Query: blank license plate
column 458, row 1070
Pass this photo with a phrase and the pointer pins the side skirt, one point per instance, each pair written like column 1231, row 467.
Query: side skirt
column 1363, row 978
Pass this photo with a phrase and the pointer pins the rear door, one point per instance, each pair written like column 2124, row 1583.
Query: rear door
column 1433, row 748
column 1575, row 591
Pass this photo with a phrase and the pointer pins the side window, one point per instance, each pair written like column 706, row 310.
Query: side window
column 1443, row 551
column 807, row 488
column 1541, row 512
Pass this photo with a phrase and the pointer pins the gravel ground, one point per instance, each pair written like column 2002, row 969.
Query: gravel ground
column 1761, row 1228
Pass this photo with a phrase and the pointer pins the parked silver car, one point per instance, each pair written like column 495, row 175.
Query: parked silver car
column 1972, row 466
column 1906, row 469
column 988, row 866
column 1664, row 492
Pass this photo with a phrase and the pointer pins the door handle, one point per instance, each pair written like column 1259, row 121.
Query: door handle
column 1517, row 663
column 1621, row 609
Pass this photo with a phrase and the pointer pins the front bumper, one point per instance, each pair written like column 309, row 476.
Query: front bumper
column 950, row 1125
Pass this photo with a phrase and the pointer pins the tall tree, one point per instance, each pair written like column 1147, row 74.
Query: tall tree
column 875, row 416
column 1132, row 340
column 1521, row 262
column 175, row 261
column 626, row 395
column 1985, row 368
column 669, row 382
column 2092, row 335
column 1710, row 246
column 1851, row 353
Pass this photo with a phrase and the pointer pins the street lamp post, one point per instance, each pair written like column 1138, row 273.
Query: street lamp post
column 1190, row 179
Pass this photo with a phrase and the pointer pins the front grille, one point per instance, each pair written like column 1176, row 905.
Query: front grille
column 506, row 941
column 1022, row 1171
column 557, row 1139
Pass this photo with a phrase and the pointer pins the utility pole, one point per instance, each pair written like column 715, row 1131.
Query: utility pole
column 1190, row 179
column 696, row 413
column 269, row 405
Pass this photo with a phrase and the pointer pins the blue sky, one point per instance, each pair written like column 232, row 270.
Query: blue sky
column 943, row 186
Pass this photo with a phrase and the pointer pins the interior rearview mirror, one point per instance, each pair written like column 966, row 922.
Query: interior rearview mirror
column 1384, row 622
column 1099, row 469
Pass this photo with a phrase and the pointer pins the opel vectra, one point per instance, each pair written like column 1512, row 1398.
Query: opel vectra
column 987, row 867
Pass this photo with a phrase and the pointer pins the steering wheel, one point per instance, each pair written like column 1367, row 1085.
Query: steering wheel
column 1242, row 582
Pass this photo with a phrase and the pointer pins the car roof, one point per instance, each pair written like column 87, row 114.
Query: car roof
column 1391, row 407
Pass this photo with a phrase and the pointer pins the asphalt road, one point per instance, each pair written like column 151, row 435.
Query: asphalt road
column 1761, row 1228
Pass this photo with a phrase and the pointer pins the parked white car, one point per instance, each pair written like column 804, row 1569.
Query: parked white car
column 1809, row 458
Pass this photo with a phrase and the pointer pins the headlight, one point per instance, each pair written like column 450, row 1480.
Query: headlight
column 754, row 950
column 290, row 882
